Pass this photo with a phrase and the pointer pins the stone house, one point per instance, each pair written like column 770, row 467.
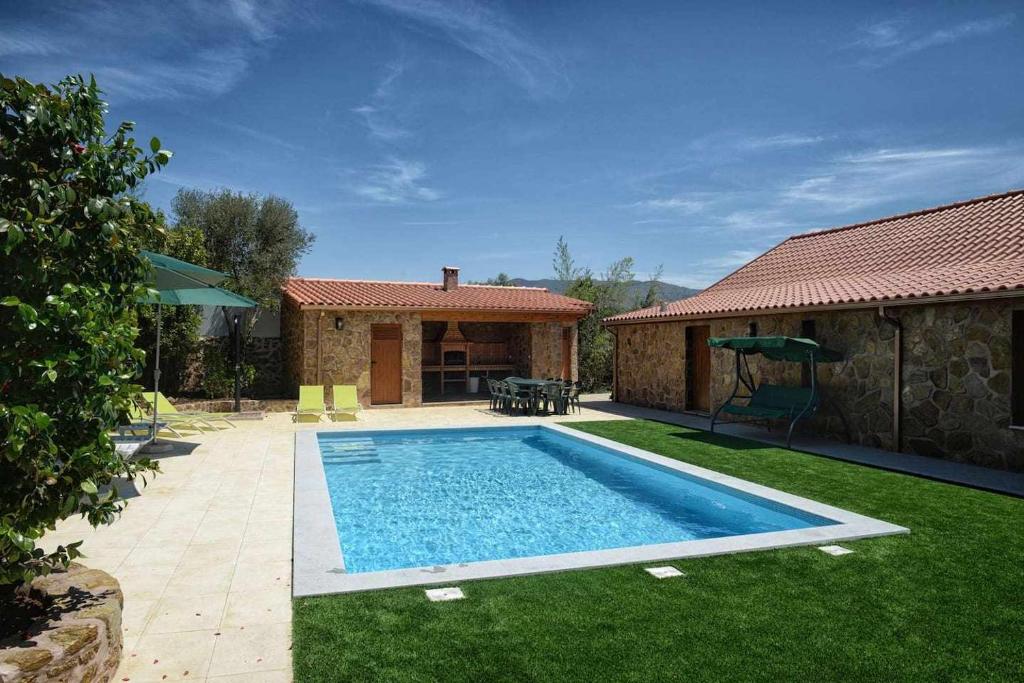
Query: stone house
column 927, row 306
column 406, row 343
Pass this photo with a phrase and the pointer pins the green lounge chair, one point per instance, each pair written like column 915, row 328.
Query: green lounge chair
column 345, row 404
column 166, row 408
column 140, row 418
column 311, row 404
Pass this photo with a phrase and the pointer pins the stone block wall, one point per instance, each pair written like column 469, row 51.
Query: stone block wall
column 956, row 384
column 546, row 350
column 651, row 365
column 330, row 356
column 80, row 639
column 314, row 352
column 956, row 375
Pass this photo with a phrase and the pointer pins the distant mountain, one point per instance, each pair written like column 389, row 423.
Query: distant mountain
column 637, row 289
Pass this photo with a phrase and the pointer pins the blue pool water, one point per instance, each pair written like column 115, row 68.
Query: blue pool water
column 422, row 498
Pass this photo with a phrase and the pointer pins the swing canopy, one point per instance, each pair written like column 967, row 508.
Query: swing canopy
column 792, row 349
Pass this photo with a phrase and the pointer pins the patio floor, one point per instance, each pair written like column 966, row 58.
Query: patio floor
column 203, row 553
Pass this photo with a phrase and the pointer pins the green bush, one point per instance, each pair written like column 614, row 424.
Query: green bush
column 70, row 276
column 219, row 370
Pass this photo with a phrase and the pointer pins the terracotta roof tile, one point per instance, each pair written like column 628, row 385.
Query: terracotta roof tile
column 971, row 247
column 373, row 294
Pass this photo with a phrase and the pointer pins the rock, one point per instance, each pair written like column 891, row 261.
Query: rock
column 999, row 384
column 82, row 639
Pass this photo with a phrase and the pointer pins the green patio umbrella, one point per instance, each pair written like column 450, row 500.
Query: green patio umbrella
column 179, row 283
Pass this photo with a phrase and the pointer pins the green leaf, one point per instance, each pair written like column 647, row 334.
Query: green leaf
column 154, row 144
column 49, row 374
column 89, row 487
column 10, row 301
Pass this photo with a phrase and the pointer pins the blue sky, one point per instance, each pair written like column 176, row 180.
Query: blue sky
column 415, row 133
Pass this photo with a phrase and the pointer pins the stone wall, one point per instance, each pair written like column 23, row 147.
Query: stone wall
column 330, row 356
column 265, row 354
column 956, row 371
column 956, row 384
column 310, row 341
column 81, row 637
column 546, row 350
column 650, row 365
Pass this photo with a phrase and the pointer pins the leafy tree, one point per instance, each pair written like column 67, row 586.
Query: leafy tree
column 257, row 241
column 653, row 295
column 502, row 280
column 564, row 265
column 70, row 277
column 179, row 326
column 596, row 344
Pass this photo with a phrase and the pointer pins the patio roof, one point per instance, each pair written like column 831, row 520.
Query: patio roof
column 376, row 295
column 964, row 250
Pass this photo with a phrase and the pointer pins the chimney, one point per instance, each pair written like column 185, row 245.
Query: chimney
column 451, row 277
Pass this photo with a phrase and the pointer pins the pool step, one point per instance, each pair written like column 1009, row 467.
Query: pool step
column 355, row 452
column 363, row 461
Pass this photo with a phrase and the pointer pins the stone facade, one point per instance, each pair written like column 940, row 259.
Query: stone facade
column 313, row 351
column 81, row 638
column 330, row 356
column 955, row 382
column 651, row 365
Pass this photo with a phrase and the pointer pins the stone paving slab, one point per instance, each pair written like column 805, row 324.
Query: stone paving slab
column 204, row 552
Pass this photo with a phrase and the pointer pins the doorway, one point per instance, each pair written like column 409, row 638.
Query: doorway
column 698, row 368
column 385, row 364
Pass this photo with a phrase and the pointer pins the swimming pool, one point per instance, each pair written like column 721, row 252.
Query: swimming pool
column 420, row 506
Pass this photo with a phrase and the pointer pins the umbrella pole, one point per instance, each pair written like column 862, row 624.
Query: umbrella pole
column 156, row 368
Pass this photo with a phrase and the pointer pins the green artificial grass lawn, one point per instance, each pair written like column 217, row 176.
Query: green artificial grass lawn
column 944, row 603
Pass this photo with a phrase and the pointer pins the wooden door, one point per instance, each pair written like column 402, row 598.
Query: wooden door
column 698, row 361
column 385, row 364
column 567, row 353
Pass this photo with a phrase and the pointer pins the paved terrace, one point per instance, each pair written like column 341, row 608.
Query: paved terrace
column 203, row 553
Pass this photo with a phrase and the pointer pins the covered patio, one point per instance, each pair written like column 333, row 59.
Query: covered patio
column 410, row 343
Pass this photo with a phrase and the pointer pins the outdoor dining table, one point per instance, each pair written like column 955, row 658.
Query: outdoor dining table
column 535, row 386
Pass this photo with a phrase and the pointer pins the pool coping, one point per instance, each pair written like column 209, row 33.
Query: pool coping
column 319, row 565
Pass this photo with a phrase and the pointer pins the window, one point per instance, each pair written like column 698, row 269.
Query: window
column 1017, row 369
column 807, row 331
column 752, row 330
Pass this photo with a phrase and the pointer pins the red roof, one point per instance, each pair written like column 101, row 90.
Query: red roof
column 969, row 248
column 372, row 294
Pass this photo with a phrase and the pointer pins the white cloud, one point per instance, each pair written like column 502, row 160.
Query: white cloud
column 679, row 204
column 781, row 141
column 875, row 177
column 25, row 42
column 380, row 114
column 160, row 50
column 892, row 39
column 489, row 34
column 396, row 182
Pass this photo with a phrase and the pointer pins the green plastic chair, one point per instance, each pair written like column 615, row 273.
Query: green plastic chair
column 311, row 403
column 346, row 402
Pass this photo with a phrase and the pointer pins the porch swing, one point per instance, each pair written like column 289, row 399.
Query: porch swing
column 766, row 402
